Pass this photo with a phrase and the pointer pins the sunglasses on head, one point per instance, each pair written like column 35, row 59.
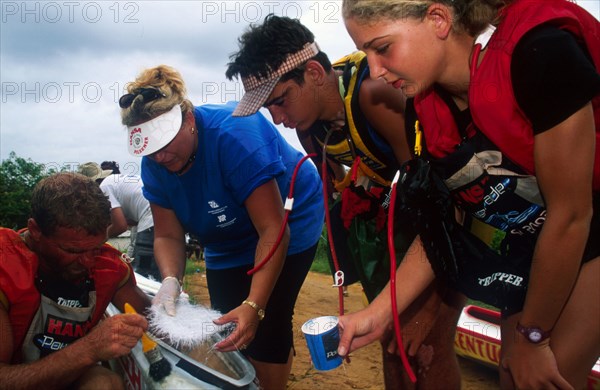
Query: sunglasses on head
column 149, row 95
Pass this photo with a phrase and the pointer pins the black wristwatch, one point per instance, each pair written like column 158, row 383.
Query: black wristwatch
column 533, row 334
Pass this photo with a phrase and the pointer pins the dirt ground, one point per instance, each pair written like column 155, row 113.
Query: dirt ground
column 317, row 298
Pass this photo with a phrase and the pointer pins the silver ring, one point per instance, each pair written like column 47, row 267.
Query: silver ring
column 243, row 346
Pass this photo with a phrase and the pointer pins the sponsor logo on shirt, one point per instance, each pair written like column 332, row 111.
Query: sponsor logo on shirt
column 220, row 213
column 58, row 333
column 69, row 302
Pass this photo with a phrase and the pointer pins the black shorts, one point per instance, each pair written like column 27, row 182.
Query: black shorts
column 143, row 254
column 274, row 337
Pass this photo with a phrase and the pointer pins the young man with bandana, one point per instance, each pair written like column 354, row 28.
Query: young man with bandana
column 57, row 277
column 356, row 119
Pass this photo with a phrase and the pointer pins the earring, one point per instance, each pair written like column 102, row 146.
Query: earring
column 192, row 130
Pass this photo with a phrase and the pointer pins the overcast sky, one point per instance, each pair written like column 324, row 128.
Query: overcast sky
column 64, row 64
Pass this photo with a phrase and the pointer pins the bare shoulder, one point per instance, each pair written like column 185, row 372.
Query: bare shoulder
column 383, row 106
column 379, row 94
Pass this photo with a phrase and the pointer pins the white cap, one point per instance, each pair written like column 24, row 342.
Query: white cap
column 149, row 137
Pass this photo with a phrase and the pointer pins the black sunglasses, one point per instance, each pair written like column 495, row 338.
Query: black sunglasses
column 149, row 95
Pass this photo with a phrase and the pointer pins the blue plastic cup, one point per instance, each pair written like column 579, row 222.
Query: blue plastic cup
column 322, row 337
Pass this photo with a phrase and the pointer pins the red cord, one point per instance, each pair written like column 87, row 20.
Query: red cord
column 336, row 264
column 392, row 248
column 290, row 199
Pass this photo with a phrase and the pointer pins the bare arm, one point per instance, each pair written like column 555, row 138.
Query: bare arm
column 383, row 106
column 118, row 222
column 110, row 339
column 265, row 208
column 560, row 246
column 368, row 325
column 132, row 294
column 266, row 211
column 568, row 197
column 169, row 242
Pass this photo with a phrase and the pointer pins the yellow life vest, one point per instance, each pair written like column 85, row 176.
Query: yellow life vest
column 354, row 140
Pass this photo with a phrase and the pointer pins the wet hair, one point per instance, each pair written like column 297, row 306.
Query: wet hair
column 263, row 48
column 169, row 82
column 70, row 200
column 471, row 16
column 112, row 165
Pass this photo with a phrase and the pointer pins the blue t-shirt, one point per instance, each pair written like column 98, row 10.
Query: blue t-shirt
column 235, row 156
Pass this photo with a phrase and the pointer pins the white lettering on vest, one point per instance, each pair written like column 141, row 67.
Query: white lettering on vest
column 501, row 277
column 69, row 302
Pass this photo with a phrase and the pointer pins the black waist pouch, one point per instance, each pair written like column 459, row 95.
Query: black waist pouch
column 472, row 267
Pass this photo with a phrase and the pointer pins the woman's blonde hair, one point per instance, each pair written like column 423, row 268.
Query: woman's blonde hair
column 163, row 78
column 471, row 16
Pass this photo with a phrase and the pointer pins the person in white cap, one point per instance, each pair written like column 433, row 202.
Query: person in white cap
column 359, row 119
column 224, row 180
column 129, row 210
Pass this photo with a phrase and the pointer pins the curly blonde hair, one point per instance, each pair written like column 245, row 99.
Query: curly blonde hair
column 471, row 16
column 169, row 82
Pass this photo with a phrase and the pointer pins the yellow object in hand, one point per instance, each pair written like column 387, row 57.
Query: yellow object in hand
column 147, row 343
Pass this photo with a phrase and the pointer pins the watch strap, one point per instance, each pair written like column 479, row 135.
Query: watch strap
column 533, row 334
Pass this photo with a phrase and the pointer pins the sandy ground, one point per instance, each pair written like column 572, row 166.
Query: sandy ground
column 364, row 371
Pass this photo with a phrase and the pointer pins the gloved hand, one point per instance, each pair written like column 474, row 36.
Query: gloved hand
column 167, row 294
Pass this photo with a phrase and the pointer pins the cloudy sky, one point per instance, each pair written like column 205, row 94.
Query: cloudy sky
column 64, row 64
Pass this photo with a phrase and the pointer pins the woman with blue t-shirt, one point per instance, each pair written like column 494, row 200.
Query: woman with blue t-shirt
column 224, row 179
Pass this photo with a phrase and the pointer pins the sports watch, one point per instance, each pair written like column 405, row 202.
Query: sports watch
column 533, row 334
column 259, row 310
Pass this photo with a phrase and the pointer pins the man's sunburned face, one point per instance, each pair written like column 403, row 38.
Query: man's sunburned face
column 69, row 251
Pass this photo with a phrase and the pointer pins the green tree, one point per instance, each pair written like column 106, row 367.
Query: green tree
column 18, row 176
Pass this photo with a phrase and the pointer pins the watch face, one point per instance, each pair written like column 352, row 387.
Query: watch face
column 535, row 336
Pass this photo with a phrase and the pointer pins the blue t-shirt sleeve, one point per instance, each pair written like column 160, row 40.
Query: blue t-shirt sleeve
column 152, row 189
column 253, row 156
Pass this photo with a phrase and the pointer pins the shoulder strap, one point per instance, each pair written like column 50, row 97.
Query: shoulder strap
column 355, row 69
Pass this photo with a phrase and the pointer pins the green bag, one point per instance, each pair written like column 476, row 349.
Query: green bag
column 369, row 249
column 364, row 214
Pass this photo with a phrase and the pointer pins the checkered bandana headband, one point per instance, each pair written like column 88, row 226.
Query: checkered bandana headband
column 257, row 90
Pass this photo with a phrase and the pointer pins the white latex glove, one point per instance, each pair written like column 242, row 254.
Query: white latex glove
column 167, row 294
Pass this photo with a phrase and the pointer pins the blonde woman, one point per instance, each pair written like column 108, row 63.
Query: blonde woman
column 223, row 179
column 506, row 97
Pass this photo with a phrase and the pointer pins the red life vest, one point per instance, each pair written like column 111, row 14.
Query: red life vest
column 20, row 297
column 491, row 98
